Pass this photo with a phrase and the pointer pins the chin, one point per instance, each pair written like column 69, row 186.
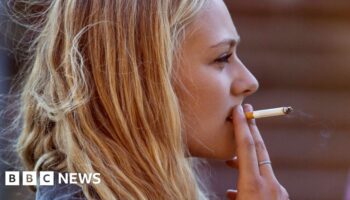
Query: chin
column 221, row 147
column 225, row 152
column 225, row 156
column 219, row 154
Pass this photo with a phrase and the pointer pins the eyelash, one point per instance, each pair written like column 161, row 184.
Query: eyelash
column 224, row 59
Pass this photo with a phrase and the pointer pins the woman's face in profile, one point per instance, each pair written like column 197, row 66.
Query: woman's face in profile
column 216, row 81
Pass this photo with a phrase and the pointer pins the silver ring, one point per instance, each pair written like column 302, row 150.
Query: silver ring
column 265, row 162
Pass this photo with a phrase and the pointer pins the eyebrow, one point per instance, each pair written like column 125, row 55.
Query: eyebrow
column 231, row 42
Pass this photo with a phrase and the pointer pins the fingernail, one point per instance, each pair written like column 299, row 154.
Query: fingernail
column 229, row 162
column 234, row 158
column 231, row 194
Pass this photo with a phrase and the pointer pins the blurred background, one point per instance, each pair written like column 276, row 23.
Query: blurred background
column 9, row 33
column 300, row 52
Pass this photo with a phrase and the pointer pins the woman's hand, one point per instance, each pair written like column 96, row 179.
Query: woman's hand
column 256, row 179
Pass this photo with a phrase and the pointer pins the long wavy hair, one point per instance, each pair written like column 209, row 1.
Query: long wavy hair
column 99, row 96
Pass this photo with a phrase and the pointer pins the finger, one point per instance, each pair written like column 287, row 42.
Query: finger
column 231, row 194
column 246, row 152
column 261, row 150
column 285, row 193
column 233, row 162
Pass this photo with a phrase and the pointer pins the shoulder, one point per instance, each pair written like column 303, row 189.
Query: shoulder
column 60, row 192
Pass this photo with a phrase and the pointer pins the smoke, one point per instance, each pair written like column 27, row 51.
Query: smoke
column 324, row 127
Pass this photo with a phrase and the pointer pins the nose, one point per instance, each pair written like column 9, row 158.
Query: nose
column 244, row 82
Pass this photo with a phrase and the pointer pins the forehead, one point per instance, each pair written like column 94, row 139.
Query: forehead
column 213, row 24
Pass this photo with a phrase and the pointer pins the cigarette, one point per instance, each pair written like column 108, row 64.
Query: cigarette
column 269, row 112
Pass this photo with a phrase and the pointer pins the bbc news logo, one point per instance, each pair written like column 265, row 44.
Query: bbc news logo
column 12, row 178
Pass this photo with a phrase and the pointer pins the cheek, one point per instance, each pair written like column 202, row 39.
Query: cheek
column 206, row 97
column 208, row 90
column 205, row 106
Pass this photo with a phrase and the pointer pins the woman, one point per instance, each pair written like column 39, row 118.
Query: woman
column 131, row 90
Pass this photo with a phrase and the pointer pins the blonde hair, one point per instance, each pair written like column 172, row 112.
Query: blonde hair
column 99, row 97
